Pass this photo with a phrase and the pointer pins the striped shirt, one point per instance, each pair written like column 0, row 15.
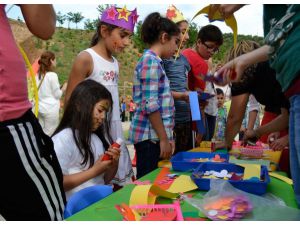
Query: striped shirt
column 151, row 92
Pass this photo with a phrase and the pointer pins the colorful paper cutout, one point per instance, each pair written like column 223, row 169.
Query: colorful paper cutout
column 195, row 111
column 280, row 177
column 183, row 183
column 230, row 21
column 147, row 194
column 251, row 170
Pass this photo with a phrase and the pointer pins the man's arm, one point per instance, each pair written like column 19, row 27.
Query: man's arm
column 40, row 19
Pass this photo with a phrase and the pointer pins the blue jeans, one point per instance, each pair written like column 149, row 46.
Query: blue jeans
column 147, row 157
column 294, row 135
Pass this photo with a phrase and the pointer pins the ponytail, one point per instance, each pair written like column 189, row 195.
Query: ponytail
column 45, row 63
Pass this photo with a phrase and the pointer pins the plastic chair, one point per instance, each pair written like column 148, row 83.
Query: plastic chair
column 85, row 198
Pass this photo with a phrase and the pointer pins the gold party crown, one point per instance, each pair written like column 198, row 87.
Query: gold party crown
column 174, row 14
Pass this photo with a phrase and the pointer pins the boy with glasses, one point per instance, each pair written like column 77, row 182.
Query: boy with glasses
column 209, row 39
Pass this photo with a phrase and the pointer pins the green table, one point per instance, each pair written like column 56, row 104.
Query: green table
column 104, row 210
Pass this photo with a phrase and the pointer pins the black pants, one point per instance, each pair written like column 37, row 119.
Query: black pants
column 183, row 137
column 210, row 127
column 147, row 157
column 31, row 178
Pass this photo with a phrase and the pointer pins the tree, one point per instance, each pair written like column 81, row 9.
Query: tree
column 193, row 33
column 70, row 18
column 77, row 17
column 60, row 18
column 101, row 8
column 136, row 38
column 89, row 25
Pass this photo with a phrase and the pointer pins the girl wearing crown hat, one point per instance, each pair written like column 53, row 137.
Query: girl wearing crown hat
column 97, row 63
column 177, row 68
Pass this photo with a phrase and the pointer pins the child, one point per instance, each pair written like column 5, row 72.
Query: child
column 209, row 40
column 221, row 116
column 131, row 109
column 151, row 129
column 32, row 185
column 49, row 93
column 78, row 148
column 177, row 68
column 97, row 63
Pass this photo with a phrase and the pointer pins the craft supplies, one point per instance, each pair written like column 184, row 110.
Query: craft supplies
column 228, row 208
column 185, row 161
column 254, row 183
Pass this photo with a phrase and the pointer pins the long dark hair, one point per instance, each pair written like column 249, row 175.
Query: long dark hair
column 154, row 25
column 45, row 63
column 97, row 35
column 78, row 116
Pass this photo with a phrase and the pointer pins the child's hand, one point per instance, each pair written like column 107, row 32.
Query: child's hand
column 185, row 96
column 101, row 166
column 114, row 153
column 165, row 149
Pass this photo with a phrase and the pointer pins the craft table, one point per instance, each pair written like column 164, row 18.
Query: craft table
column 104, row 210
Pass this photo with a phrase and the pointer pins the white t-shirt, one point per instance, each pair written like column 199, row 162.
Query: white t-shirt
column 70, row 158
column 212, row 106
column 49, row 93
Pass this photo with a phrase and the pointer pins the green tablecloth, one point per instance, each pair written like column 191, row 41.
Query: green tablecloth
column 105, row 210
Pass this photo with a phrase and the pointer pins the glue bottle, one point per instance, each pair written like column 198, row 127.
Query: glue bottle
column 116, row 144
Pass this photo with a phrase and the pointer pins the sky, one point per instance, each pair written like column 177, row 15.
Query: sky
column 249, row 18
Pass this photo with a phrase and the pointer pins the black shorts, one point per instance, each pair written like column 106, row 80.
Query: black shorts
column 31, row 179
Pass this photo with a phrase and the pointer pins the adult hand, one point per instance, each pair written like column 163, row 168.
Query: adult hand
column 232, row 71
column 272, row 137
column 249, row 135
column 165, row 149
column 280, row 143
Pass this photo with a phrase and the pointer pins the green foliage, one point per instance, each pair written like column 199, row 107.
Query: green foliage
column 70, row 18
column 77, row 17
column 193, row 33
column 60, row 18
column 101, row 8
column 136, row 38
column 89, row 25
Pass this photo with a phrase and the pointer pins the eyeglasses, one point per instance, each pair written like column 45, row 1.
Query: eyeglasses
column 211, row 49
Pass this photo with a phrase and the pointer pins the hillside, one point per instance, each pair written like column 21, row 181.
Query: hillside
column 67, row 43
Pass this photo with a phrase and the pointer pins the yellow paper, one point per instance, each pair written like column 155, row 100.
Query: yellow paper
column 140, row 195
column 280, row 177
column 251, row 170
column 164, row 163
column 147, row 194
column 230, row 21
column 160, row 192
column 183, row 183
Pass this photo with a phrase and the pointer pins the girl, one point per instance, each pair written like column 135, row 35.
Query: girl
column 177, row 69
column 151, row 129
column 31, row 187
column 49, row 93
column 97, row 63
column 79, row 150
